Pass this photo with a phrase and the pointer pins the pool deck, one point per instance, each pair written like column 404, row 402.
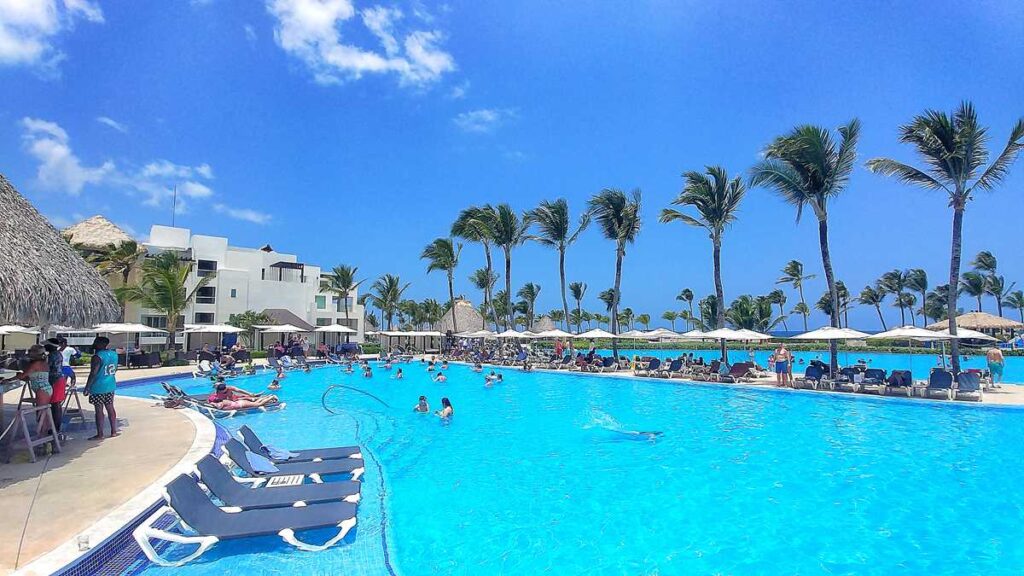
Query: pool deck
column 84, row 494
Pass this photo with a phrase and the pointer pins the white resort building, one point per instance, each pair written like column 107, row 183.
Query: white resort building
column 257, row 279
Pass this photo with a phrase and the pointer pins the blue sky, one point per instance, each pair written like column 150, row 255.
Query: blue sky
column 354, row 132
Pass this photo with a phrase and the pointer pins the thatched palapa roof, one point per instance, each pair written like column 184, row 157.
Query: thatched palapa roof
column 979, row 321
column 43, row 280
column 95, row 233
column 543, row 324
column 466, row 317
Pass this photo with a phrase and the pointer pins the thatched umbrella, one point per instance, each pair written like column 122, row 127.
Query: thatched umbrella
column 543, row 324
column 43, row 280
column 468, row 319
column 979, row 321
column 95, row 233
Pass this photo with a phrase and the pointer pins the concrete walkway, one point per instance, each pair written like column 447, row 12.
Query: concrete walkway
column 57, row 504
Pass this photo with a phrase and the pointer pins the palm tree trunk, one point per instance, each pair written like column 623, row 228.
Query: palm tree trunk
column 719, row 293
column 954, row 277
column 903, row 315
column 826, row 262
column 508, row 286
column 614, row 322
column 782, row 314
column 999, row 306
column 924, row 307
column 800, row 290
column 124, row 305
column 878, row 308
column 561, row 277
column 451, row 299
column 488, row 296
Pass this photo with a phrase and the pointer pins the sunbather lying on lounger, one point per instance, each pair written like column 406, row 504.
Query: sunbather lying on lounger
column 243, row 403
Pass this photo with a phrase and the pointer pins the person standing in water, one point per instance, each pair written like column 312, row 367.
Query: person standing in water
column 101, row 385
column 446, row 410
column 782, row 362
column 996, row 362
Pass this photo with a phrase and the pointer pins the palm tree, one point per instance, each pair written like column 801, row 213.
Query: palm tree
column 619, row 218
column 801, row 309
column 917, row 281
column 845, row 302
column 385, row 294
column 644, row 319
column 778, row 298
column 807, row 167
column 1015, row 300
column 670, row 316
column 626, row 317
column 895, row 282
column 985, row 262
column 578, row 290
column 752, row 313
column 602, row 319
column 707, row 307
column 164, row 287
column 509, row 232
column 557, row 316
column 687, row 296
column 529, row 293
column 716, row 199
column 247, row 321
column 909, row 300
column 117, row 260
column 587, row 317
column 793, row 274
column 342, row 283
column 973, row 284
column 476, row 224
column 997, row 288
column 953, row 148
column 483, row 280
column 555, row 231
column 503, row 304
column 873, row 297
column 608, row 297
column 443, row 254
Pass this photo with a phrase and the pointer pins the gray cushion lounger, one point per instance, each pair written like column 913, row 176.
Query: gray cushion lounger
column 254, row 444
column 237, row 452
column 248, row 495
column 211, row 524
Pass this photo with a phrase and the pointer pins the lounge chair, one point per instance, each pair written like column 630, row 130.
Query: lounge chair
column 248, row 493
column 649, row 369
column 812, row 377
column 968, row 384
column 737, row 373
column 899, row 380
column 847, row 380
column 609, row 364
column 208, row 524
column 940, row 381
column 667, row 370
column 874, row 380
column 253, row 443
column 316, row 470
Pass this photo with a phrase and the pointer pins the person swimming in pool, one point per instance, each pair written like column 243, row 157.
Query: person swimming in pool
column 446, row 410
column 478, row 367
column 421, row 407
column 440, row 378
column 275, row 385
column 398, row 375
column 444, row 365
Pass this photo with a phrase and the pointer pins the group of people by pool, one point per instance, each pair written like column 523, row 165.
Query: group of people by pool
column 445, row 413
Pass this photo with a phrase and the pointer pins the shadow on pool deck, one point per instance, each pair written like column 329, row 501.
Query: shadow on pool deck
column 48, row 502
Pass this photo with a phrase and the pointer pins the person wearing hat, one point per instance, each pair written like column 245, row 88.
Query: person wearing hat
column 101, row 385
column 58, row 382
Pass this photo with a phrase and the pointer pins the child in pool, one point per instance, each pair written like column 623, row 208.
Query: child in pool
column 446, row 410
column 421, row 407
column 275, row 385
column 478, row 367
column 440, row 378
column 398, row 375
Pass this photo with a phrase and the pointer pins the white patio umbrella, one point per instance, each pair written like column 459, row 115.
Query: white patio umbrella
column 695, row 334
column 831, row 333
column 914, row 333
column 14, row 329
column 219, row 329
column 660, row 333
column 280, row 328
column 556, row 333
column 752, row 335
column 128, row 328
column 597, row 333
column 724, row 334
column 335, row 329
column 510, row 333
column 483, row 334
column 968, row 334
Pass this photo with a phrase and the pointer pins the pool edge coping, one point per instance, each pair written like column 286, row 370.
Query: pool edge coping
column 67, row 554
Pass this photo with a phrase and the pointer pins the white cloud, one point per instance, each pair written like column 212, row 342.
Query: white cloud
column 168, row 169
column 28, row 29
column 250, row 34
column 107, row 121
column 59, row 167
column 483, row 120
column 245, row 214
column 310, row 30
column 195, row 190
column 459, row 92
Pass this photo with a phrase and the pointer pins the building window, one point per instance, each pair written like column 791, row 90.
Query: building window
column 204, row 317
column 350, row 323
column 339, row 304
column 206, row 295
column 321, row 302
column 234, row 293
column 323, row 322
column 155, row 321
column 206, row 268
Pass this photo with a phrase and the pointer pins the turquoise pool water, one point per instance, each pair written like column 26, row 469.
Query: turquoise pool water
column 919, row 364
column 533, row 476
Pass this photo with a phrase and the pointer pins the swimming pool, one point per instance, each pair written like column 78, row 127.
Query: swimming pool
column 532, row 477
column 919, row 364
